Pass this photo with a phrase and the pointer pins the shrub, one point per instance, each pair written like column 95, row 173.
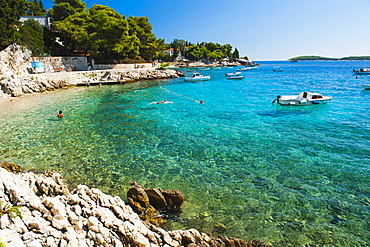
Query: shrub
column 13, row 212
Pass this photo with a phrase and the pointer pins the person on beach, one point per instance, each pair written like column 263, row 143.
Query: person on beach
column 60, row 115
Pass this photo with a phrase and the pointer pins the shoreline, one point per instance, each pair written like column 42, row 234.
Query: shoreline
column 13, row 85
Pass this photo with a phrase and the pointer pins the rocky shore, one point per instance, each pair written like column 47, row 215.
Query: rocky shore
column 15, row 79
column 18, row 85
column 39, row 210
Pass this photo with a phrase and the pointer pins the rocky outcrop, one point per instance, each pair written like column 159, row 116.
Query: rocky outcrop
column 54, row 216
column 149, row 203
column 15, row 59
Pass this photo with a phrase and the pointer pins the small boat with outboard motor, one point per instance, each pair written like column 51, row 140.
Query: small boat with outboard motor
column 304, row 98
column 198, row 77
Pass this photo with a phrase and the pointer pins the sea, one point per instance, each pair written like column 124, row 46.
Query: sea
column 249, row 168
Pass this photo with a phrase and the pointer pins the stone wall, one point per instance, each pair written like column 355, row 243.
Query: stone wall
column 51, row 63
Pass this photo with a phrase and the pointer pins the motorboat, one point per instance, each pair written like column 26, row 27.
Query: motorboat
column 277, row 69
column 235, row 77
column 233, row 74
column 362, row 71
column 198, row 77
column 366, row 86
column 247, row 68
column 304, row 98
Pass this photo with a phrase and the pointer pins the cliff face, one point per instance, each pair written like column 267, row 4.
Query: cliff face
column 15, row 60
column 51, row 215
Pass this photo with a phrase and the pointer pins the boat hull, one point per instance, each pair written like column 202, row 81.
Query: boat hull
column 366, row 87
column 235, row 77
column 297, row 102
column 361, row 73
column 203, row 78
column 233, row 74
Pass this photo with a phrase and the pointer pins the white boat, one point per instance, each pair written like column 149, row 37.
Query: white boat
column 198, row 77
column 366, row 86
column 233, row 74
column 362, row 71
column 247, row 68
column 304, row 98
column 235, row 77
column 277, row 69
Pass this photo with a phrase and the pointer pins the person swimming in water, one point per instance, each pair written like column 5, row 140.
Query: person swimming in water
column 60, row 115
column 162, row 102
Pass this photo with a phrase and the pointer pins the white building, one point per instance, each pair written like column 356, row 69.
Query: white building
column 44, row 21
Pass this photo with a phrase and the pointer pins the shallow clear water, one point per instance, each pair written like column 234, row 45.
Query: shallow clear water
column 289, row 176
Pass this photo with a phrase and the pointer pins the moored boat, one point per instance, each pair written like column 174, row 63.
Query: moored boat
column 233, row 74
column 247, row 68
column 235, row 77
column 304, row 98
column 277, row 69
column 366, row 86
column 198, row 77
column 362, row 71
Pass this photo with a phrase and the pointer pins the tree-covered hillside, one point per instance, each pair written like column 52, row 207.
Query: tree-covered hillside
column 309, row 58
column 99, row 31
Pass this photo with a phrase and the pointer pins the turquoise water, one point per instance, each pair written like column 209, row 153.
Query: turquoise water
column 286, row 175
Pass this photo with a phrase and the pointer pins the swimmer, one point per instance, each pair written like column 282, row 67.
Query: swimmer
column 60, row 115
column 201, row 102
column 162, row 102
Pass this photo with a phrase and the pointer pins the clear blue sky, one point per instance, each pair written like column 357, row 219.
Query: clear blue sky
column 260, row 29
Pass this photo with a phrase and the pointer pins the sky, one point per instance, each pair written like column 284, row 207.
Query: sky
column 260, row 29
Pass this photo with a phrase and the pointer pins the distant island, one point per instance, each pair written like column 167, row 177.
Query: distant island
column 315, row 58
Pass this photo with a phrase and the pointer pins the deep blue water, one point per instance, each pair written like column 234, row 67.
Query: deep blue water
column 286, row 175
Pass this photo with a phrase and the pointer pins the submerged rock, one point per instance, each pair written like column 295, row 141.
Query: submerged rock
column 11, row 167
column 149, row 203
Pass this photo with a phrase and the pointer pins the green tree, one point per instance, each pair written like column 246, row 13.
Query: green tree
column 212, row 46
column 101, row 31
column 30, row 35
column 108, row 32
column 235, row 54
column 216, row 54
column 149, row 46
column 64, row 8
column 75, row 27
column 10, row 12
column 226, row 49
column 35, row 8
column 195, row 52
